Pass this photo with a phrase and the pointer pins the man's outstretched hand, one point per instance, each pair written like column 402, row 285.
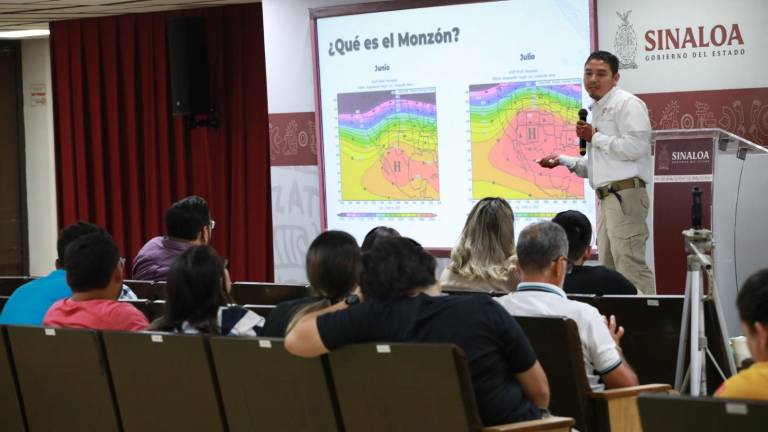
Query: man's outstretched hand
column 550, row 161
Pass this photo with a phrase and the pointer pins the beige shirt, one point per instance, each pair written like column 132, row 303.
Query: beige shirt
column 454, row 282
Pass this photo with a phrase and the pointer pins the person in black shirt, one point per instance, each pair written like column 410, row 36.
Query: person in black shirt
column 402, row 304
column 333, row 269
column 581, row 279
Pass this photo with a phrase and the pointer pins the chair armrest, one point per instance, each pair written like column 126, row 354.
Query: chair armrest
column 630, row 391
column 621, row 405
column 552, row 423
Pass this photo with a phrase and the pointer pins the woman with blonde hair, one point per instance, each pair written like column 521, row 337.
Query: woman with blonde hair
column 484, row 258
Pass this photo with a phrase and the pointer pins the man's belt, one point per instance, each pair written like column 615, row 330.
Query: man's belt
column 613, row 188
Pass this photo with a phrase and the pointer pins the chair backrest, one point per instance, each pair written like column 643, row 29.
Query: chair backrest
column 151, row 309
column 263, row 293
column 558, row 346
column 263, row 387
column 652, row 325
column 10, row 408
column 263, row 310
column 667, row 413
column 387, row 387
column 8, row 284
column 464, row 292
column 64, row 379
column 163, row 382
column 589, row 299
column 147, row 290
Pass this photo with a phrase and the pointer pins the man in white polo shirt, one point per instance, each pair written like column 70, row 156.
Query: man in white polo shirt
column 619, row 166
column 541, row 260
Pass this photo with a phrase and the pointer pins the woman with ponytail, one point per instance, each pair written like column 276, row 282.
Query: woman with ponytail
column 333, row 270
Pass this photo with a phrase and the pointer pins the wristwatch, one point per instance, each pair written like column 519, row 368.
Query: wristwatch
column 351, row 299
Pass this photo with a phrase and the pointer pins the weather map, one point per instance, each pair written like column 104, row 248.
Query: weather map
column 513, row 124
column 388, row 145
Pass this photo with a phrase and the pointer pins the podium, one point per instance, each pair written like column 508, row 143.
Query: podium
column 733, row 175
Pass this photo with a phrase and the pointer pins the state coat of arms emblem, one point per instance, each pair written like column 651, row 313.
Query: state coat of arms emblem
column 625, row 42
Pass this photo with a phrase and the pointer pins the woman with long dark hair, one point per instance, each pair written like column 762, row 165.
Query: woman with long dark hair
column 333, row 270
column 198, row 298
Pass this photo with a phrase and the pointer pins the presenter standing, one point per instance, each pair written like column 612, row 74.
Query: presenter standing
column 618, row 165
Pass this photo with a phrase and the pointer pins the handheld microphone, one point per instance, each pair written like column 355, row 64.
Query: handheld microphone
column 696, row 208
column 582, row 142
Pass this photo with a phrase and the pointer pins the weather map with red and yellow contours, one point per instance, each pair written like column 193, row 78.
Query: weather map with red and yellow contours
column 512, row 125
column 388, row 146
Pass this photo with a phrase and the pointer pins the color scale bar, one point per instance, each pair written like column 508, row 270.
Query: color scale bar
column 386, row 215
column 542, row 215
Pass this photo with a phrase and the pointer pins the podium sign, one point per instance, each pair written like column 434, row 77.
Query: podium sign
column 680, row 164
column 731, row 172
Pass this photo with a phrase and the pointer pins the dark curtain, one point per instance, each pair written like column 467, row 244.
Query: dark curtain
column 122, row 158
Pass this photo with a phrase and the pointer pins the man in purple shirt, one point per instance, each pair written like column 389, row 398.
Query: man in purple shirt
column 188, row 223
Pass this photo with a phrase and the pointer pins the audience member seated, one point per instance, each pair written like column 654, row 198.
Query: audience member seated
column 28, row 304
column 376, row 234
column 483, row 260
column 95, row 274
column 188, row 223
column 333, row 268
column 198, row 298
column 402, row 304
column 581, row 279
column 752, row 302
column 541, row 251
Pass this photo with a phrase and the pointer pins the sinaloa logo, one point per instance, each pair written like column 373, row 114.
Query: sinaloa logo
column 701, row 155
column 625, row 42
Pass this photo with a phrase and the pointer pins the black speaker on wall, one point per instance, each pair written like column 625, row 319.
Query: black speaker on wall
column 188, row 61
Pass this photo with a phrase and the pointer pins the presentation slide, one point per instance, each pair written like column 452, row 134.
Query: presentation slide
column 426, row 111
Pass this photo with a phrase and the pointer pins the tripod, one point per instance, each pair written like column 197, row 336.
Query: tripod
column 698, row 243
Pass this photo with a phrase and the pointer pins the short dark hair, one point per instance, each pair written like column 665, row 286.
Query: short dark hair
column 195, row 290
column 72, row 233
column 376, row 234
column 91, row 261
column 539, row 245
column 394, row 267
column 578, row 229
column 333, row 264
column 187, row 217
column 606, row 57
column 752, row 300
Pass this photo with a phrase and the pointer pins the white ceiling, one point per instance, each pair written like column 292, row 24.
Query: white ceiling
column 36, row 14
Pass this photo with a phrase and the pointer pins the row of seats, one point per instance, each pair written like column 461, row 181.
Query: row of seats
column 153, row 309
column 652, row 322
column 256, row 293
column 75, row 380
column 650, row 344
